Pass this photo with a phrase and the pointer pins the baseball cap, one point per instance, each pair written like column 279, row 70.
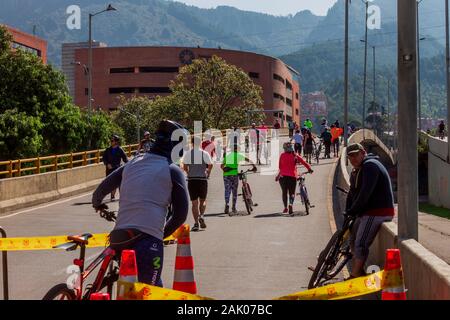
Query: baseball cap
column 146, row 133
column 354, row 148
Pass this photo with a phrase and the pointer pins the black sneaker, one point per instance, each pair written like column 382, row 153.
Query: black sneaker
column 291, row 210
column 202, row 223
column 234, row 210
column 195, row 227
column 227, row 209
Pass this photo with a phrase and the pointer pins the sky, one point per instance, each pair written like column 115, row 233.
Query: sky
column 274, row 7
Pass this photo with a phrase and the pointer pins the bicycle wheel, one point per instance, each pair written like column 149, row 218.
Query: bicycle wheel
column 60, row 292
column 247, row 201
column 325, row 259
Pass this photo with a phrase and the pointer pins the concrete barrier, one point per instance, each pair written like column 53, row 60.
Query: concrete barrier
column 438, row 173
column 426, row 275
column 26, row 191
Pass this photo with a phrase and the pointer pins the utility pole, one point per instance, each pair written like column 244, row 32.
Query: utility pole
column 407, row 121
column 346, row 77
column 365, row 69
column 388, row 111
column 419, row 94
column 447, row 58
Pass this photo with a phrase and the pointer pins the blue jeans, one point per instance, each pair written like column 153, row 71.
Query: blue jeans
column 149, row 258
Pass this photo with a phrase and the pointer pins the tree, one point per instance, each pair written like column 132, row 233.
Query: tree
column 19, row 135
column 214, row 92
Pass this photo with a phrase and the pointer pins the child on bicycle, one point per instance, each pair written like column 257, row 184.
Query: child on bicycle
column 287, row 175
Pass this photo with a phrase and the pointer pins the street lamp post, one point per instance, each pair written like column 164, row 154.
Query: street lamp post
column 346, row 77
column 447, row 59
column 365, row 67
column 109, row 8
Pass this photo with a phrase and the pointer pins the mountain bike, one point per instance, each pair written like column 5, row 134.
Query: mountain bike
column 106, row 276
column 303, row 192
column 335, row 255
column 246, row 190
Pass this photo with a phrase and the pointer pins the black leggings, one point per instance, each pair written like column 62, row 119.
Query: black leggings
column 288, row 184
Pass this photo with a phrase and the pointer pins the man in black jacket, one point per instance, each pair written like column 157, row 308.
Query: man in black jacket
column 370, row 199
column 112, row 158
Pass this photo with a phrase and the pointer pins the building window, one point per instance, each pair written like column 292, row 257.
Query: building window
column 158, row 69
column 122, row 70
column 86, row 91
column 254, row 75
column 154, row 90
column 289, row 102
column 120, row 90
column 288, row 85
column 296, row 95
column 279, row 78
column 296, row 112
column 25, row 48
column 278, row 96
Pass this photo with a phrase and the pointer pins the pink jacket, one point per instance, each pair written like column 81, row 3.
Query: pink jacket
column 288, row 164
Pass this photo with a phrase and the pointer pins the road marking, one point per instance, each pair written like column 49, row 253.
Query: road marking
column 46, row 205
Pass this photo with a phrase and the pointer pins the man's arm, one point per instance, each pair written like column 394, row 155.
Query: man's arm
column 303, row 162
column 124, row 156
column 370, row 176
column 111, row 183
column 106, row 157
column 180, row 201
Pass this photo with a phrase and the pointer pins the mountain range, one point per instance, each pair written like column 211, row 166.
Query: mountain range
column 311, row 44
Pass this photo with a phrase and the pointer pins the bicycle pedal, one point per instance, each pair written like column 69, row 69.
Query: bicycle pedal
column 311, row 268
column 312, row 206
column 239, row 194
column 255, row 204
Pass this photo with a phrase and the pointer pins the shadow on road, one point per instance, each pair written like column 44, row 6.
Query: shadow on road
column 81, row 203
column 276, row 215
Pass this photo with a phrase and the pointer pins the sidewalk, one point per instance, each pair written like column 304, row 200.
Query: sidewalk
column 434, row 234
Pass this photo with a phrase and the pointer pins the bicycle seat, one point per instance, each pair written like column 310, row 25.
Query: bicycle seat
column 83, row 239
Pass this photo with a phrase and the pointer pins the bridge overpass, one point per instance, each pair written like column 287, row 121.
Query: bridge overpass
column 260, row 256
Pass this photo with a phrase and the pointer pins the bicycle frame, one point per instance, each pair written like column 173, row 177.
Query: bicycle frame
column 104, row 259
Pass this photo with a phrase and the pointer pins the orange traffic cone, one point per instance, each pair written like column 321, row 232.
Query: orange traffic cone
column 100, row 296
column 184, row 263
column 393, row 281
column 127, row 272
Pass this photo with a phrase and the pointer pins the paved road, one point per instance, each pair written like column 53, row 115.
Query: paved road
column 261, row 256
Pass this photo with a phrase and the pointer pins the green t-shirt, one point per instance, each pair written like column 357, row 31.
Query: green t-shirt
column 232, row 160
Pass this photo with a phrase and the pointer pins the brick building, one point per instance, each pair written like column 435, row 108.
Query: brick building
column 147, row 71
column 29, row 43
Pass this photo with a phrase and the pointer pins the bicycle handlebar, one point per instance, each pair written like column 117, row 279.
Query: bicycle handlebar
column 108, row 215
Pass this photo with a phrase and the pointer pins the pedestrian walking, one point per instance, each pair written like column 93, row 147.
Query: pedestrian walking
column 287, row 175
column 291, row 127
column 112, row 158
column 276, row 129
column 308, row 145
column 298, row 142
column 197, row 164
column 327, row 138
column 441, row 130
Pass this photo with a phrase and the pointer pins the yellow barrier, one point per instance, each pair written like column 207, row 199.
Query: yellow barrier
column 47, row 243
column 142, row 291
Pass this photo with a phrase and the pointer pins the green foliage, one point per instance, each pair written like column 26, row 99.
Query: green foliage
column 216, row 93
column 19, row 135
column 37, row 114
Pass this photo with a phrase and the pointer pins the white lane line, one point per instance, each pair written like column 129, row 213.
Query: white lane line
column 46, row 205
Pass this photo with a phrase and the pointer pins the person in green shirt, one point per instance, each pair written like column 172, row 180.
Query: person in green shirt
column 230, row 167
column 308, row 124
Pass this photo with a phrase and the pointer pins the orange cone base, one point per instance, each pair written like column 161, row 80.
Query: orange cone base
column 189, row 287
column 393, row 296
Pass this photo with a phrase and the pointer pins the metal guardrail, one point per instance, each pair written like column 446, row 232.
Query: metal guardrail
column 5, row 268
column 17, row 168
column 31, row 166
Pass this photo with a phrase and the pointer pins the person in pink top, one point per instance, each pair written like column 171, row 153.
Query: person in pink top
column 287, row 175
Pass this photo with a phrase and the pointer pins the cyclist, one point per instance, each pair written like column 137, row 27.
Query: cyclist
column 308, row 124
column 327, row 137
column 370, row 199
column 112, row 158
column 146, row 143
column 150, row 183
column 287, row 175
column 230, row 168
column 198, row 165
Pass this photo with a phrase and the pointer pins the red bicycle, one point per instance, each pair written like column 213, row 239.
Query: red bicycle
column 106, row 276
